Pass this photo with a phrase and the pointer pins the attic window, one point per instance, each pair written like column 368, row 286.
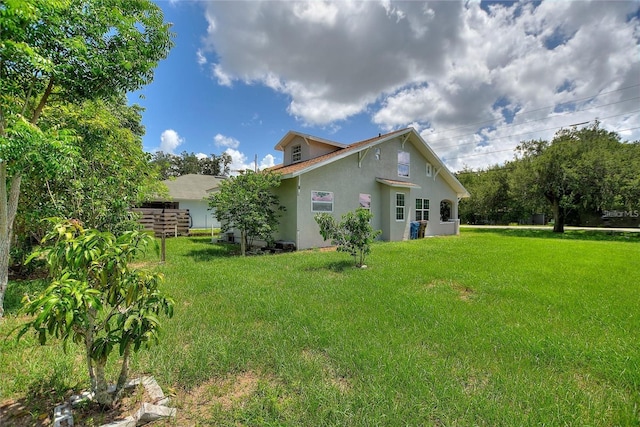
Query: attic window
column 296, row 153
column 377, row 154
column 429, row 169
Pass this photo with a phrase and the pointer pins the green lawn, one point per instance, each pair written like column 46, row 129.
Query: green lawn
column 504, row 327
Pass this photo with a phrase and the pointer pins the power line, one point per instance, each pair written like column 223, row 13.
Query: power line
column 536, row 131
column 543, row 108
column 510, row 149
column 544, row 118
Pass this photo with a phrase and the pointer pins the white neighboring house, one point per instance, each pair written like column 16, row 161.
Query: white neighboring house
column 191, row 192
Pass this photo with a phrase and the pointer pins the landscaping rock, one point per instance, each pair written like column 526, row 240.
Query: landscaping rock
column 150, row 412
column 63, row 417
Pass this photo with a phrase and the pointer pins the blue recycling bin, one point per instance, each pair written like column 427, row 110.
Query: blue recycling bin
column 413, row 230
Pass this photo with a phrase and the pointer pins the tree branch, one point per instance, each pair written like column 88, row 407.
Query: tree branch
column 43, row 102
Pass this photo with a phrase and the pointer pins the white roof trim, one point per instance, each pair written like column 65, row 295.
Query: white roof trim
column 430, row 155
column 286, row 139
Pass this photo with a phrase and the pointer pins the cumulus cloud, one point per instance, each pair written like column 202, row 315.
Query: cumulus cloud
column 222, row 141
column 476, row 80
column 336, row 57
column 240, row 162
column 267, row 162
column 169, row 141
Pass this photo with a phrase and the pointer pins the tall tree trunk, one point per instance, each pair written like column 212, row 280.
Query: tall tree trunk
column 558, row 215
column 243, row 242
column 8, row 209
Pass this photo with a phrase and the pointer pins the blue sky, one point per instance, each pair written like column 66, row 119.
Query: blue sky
column 473, row 78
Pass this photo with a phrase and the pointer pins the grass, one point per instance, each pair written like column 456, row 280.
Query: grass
column 500, row 327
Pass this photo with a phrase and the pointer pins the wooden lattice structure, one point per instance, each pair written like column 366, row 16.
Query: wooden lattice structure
column 164, row 222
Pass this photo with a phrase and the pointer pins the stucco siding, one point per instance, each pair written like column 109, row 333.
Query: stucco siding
column 287, row 196
column 355, row 174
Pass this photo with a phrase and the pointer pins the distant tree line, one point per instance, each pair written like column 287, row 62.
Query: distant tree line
column 585, row 176
column 171, row 165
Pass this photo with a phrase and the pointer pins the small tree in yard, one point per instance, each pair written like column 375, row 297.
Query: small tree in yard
column 97, row 299
column 247, row 203
column 353, row 234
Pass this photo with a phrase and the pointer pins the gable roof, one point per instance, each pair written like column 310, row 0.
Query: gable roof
column 192, row 186
column 292, row 134
column 300, row 168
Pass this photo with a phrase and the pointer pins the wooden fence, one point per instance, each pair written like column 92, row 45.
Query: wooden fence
column 164, row 222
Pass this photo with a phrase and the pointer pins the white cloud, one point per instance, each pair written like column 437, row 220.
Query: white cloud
column 475, row 81
column 201, row 156
column 169, row 141
column 240, row 162
column 316, row 12
column 225, row 141
column 200, row 58
column 224, row 79
column 267, row 162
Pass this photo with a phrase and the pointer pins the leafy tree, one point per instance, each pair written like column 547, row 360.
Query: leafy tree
column 110, row 174
column 170, row 165
column 576, row 171
column 216, row 165
column 69, row 50
column 189, row 163
column 246, row 203
column 164, row 164
column 489, row 201
column 97, row 299
column 353, row 234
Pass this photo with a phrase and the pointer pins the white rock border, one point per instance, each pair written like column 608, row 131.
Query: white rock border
column 63, row 416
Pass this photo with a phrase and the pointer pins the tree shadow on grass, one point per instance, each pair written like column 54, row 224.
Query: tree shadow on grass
column 335, row 266
column 213, row 250
column 43, row 395
column 36, row 407
column 595, row 235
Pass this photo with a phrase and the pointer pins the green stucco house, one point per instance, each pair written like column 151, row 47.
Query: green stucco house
column 396, row 175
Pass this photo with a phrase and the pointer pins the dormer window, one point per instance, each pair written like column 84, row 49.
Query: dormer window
column 296, row 153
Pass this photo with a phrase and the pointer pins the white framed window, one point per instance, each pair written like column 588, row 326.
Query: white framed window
column 399, row 206
column 321, row 201
column 364, row 201
column 429, row 169
column 296, row 153
column 422, row 209
column 403, row 164
column 377, row 154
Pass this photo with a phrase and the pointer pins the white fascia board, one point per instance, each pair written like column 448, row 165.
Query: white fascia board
column 447, row 175
column 292, row 133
